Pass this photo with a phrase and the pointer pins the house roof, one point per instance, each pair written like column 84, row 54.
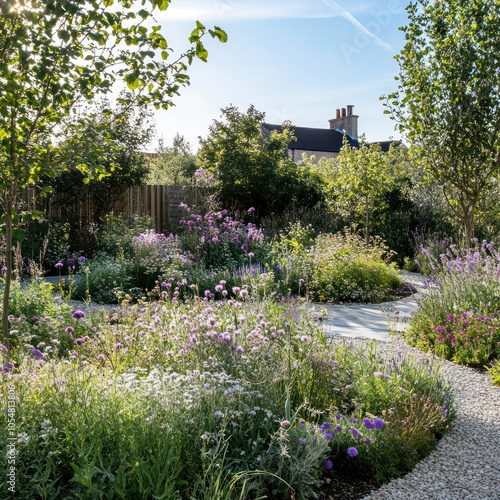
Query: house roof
column 313, row 139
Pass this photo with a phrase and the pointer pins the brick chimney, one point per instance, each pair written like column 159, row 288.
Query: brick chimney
column 346, row 120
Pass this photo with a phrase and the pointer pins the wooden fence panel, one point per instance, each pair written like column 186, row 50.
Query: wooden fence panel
column 161, row 203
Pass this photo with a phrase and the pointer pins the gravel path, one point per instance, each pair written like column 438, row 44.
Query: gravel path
column 466, row 462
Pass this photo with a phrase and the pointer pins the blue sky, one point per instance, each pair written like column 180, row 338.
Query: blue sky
column 294, row 60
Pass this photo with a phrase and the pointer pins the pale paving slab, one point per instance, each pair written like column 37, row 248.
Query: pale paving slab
column 369, row 321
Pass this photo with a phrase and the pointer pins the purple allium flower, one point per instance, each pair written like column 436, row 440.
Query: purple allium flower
column 378, row 423
column 244, row 293
column 80, row 341
column 58, row 265
column 236, row 290
column 78, row 314
column 100, row 357
column 378, row 374
column 118, row 345
column 3, row 348
column 219, row 288
column 285, row 423
column 352, row 452
column 368, row 423
column 302, row 441
column 251, row 254
column 163, row 284
column 328, row 464
column 73, row 354
column 193, row 287
column 301, row 281
column 71, row 262
column 8, row 367
column 304, row 338
column 207, row 293
column 239, row 349
column 251, row 210
column 37, row 354
column 69, row 329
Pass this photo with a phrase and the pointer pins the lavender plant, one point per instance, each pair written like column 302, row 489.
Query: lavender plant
column 457, row 313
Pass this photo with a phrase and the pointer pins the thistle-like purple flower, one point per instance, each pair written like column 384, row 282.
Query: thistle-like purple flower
column 78, row 314
column 352, row 452
column 37, row 354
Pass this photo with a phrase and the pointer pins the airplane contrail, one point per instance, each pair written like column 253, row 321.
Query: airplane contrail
column 340, row 11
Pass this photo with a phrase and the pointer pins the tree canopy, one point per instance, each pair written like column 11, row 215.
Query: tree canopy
column 55, row 54
column 448, row 98
column 252, row 170
column 174, row 164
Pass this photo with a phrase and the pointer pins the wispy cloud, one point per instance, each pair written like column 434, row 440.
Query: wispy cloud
column 234, row 10
column 340, row 11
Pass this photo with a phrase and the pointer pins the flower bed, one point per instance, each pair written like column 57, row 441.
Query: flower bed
column 208, row 397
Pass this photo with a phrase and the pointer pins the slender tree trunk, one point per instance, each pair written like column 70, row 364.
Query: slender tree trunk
column 468, row 223
column 8, row 279
column 367, row 224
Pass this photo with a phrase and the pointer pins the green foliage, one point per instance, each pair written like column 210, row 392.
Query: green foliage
column 357, row 178
column 172, row 165
column 251, row 169
column 114, row 140
column 494, row 371
column 46, row 243
column 447, row 101
column 343, row 268
column 56, row 55
column 116, row 235
column 101, row 279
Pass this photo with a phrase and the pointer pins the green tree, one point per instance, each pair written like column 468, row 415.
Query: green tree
column 55, row 54
column 114, row 138
column 448, row 98
column 251, row 169
column 173, row 165
column 358, row 178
